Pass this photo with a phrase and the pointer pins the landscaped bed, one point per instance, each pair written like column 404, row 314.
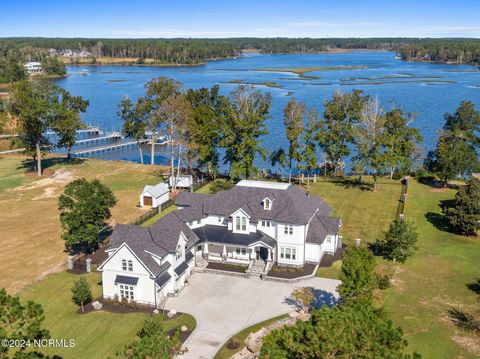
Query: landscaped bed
column 237, row 268
column 291, row 272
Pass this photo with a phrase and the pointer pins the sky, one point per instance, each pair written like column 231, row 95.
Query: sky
column 240, row 18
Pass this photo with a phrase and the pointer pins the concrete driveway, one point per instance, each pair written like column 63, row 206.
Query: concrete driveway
column 224, row 305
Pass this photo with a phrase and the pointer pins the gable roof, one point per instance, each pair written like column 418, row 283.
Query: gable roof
column 156, row 191
column 289, row 204
column 159, row 239
column 320, row 227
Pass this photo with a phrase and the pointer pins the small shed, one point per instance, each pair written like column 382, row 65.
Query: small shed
column 154, row 196
column 185, row 181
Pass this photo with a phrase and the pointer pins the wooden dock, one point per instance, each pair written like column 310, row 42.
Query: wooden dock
column 107, row 148
column 111, row 136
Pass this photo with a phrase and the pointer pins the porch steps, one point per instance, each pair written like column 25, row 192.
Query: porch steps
column 257, row 268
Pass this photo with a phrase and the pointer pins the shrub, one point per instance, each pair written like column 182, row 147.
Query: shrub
column 383, row 281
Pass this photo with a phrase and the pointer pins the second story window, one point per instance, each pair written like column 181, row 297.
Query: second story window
column 127, row 265
column 240, row 223
column 178, row 253
column 244, row 224
column 267, row 204
column 288, row 229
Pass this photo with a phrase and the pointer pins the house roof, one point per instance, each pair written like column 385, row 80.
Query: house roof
column 156, row 191
column 158, row 239
column 181, row 268
column 163, row 279
column 290, row 204
column 123, row 279
column 220, row 234
column 320, row 227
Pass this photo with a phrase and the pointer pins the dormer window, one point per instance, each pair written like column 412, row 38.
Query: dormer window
column 240, row 223
column 127, row 265
column 267, row 204
column 178, row 253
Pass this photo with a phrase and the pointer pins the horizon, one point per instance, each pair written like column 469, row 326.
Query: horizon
column 217, row 20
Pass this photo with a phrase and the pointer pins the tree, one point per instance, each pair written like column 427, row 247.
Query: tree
column 157, row 92
column 399, row 140
column 53, row 66
column 39, row 106
column 400, row 241
column 358, row 331
column 464, row 216
column 20, row 322
column 244, row 125
column 369, row 136
column 279, row 157
column 153, row 342
column 208, row 108
column 357, row 276
column 176, row 113
column 456, row 151
column 309, row 154
column 337, row 126
column 133, row 122
column 293, row 121
column 81, row 293
column 84, row 207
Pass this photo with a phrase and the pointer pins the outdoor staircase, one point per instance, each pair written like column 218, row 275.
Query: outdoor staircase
column 200, row 264
column 257, row 268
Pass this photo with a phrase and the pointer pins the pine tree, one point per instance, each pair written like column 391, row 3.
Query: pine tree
column 400, row 241
column 464, row 216
column 293, row 121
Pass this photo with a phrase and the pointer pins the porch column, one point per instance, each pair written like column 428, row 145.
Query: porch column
column 205, row 250
column 269, row 257
column 252, row 253
column 224, row 252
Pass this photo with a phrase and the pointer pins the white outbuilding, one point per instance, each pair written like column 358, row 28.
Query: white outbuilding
column 154, row 196
column 185, row 181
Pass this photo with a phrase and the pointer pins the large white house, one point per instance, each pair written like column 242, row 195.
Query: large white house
column 255, row 221
column 33, row 67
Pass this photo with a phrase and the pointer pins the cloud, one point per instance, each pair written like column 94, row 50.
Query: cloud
column 335, row 24
column 455, row 30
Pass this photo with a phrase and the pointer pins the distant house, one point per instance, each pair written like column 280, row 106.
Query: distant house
column 154, row 196
column 185, row 181
column 33, row 67
column 255, row 224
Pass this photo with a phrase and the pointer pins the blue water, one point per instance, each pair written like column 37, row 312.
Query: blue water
column 437, row 88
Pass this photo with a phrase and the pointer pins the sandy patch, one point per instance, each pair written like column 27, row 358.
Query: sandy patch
column 60, row 177
column 440, row 190
column 48, row 192
column 468, row 343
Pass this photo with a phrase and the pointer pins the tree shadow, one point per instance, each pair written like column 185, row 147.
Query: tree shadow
column 322, row 297
column 353, row 183
column 432, row 182
column 439, row 221
column 464, row 319
column 28, row 164
column 475, row 286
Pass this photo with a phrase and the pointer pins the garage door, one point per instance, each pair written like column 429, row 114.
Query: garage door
column 147, row 200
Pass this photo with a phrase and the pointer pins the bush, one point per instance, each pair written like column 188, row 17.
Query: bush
column 383, row 281
column 220, row 185
column 81, row 292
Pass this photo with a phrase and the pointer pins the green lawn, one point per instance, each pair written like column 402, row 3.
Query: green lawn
column 97, row 334
column 162, row 214
column 364, row 214
column 225, row 353
column 431, row 282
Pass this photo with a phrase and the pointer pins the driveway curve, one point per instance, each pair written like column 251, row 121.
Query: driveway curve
column 224, row 305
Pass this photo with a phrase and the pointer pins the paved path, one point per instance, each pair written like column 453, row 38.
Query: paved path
column 224, row 305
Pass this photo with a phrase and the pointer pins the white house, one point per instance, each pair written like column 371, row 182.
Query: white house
column 33, row 67
column 255, row 221
column 154, row 196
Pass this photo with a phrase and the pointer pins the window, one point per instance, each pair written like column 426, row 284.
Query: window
column 244, row 224
column 329, row 239
column 267, row 204
column 199, row 221
column 124, row 264
column 130, row 266
column 288, row 229
column 127, row 292
column 244, row 251
column 288, row 253
column 199, row 248
column 237, row 223
column 237, row 250
column 178, row 253
column 266, row 224
column 127, row 265
column 220, row 219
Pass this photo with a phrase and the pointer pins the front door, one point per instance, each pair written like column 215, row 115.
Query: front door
column 262, row 253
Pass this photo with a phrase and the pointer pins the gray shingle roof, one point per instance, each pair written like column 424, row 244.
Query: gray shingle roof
column 163, row 279
column 160, row 238
column 320, row 227
column 156, row 191
column 189, row 256
column 219, row 234
column 292, row 205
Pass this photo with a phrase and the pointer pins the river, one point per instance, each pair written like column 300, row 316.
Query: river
column 428, row 90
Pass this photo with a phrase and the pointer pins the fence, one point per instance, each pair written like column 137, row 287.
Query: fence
column 403, row 199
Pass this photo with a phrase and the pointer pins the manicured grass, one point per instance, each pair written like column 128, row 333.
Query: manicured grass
column 330, row 272
column 225, row 352
column 30, row 234
column 434, row 280
column 96, row 334
column 160, row 215
column 364, row 214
